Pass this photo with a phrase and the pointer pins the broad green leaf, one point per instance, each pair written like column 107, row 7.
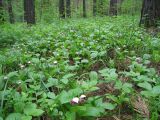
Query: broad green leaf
column 104, row 72
column 145, row 85
column 90, row 85
column 70, row 116
column 94, row 54
column 143, row 78
column 35, row 60
column 51, row 95
column 93, row 111
column 35, row 112
column 14, row 116
column 109, row 106
column 93, row 75
column 35, row 87
column 109, row 74
column 19, row 106
column 52, row 82
column 64, row 80
column 78, row 108
column 31, row 110
column 156, row 90
column 98, row 102
column 12, row 74
column 118, row 84
column 146, row 56
column 75, row 92
column 102, row 53
column 71, row 68
column 147, row 93
column 64, row 97
column 24, row 117
column 112, row 97
column 93, row 88
column 84, row 61
column 127, row 87
column 68, row 76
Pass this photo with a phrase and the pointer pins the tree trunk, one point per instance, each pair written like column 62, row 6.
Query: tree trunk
column 113, row 7
column 77, row 5
column 94, row 7
column 68, row 8
column 29, row 11
column 150, row 13
column 84, row 8
column 61, row 9
column 1, row 11
column 41, row 10
column 10, row 11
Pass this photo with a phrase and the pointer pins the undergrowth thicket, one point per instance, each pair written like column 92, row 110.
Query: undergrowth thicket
column 111, row 61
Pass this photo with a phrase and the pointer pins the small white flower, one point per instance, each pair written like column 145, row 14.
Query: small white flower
column 19, row 82
column 5, row 78
column 29, row 62
column 75, row 100
column 55, row 62
column 77, row 53
column 21, row 66
column 82, row 97
column 118, row 48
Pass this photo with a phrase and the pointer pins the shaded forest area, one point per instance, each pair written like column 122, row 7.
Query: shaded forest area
column 79, row 60
column 49, row 10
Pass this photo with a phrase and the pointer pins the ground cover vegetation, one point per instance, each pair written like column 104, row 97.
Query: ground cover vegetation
column 96, row 68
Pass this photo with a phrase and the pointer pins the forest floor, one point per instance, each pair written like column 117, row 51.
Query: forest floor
column 88, row 69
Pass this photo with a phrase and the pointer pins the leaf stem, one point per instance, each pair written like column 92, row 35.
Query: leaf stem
column 2, row 102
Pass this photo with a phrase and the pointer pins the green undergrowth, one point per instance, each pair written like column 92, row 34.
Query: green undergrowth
column 43, row 67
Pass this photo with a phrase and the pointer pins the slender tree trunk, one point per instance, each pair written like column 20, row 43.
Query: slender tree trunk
column 78, row 1
column 61, row 9
column 1, row 11
column 41, row 10
column 84, row 8
column 157, row 11
column 68, row 8
column 119, row 6
column 94, row 7
column 113, row 7
column 142, row 12
column 10, row 11
column 150, row 13
column 29, row 11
